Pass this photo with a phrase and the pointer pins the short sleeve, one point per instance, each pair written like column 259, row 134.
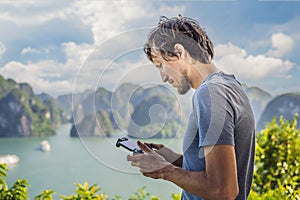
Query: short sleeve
column 214, row 115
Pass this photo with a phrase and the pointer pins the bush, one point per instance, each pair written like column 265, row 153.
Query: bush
column 277, row 161
column 86, row 192
column 45, row 195
column 17, row 191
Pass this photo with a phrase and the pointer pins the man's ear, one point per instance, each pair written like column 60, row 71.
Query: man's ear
column 179, row 49
column 183, row 53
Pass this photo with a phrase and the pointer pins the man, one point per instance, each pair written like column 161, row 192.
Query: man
column 219, row 141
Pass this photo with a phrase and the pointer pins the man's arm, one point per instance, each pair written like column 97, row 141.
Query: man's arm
column 218, row 181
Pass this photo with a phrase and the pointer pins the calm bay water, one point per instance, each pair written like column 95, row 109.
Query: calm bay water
column 74, row 160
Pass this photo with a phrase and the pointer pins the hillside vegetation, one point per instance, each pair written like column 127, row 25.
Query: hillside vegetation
column 22, row 113
column 141, row 112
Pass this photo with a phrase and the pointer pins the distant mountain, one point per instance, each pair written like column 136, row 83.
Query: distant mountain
column 156, row 116
column 66, row 101
column 6, row 86
column 259, row 99
column 127, row 103
column 44, row 96
column 24, row 114
column 58, row 116
column 130, row 106
column 98, row 124
column 286, row 105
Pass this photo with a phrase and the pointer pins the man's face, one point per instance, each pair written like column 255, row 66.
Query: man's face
column 171, row 70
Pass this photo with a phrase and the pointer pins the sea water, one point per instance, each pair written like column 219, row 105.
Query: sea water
column 77, row 160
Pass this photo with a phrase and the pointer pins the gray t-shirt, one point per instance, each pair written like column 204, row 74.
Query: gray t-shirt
column 222, row 114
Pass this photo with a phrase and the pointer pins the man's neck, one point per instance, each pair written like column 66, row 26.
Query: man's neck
column 199, row 72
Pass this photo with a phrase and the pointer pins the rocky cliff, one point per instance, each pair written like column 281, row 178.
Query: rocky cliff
column 286, row 105
column 157, row 117
column 259, row 100
column 24, row 114
column 103, row 112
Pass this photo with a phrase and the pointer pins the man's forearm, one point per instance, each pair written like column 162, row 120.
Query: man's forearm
column 218, row 180
column 193, row 182
column 196, row 183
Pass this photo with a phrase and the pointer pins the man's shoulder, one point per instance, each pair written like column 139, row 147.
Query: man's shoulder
column 211, row 89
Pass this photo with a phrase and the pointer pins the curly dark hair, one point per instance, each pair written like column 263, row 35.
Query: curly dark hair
column 182, row 30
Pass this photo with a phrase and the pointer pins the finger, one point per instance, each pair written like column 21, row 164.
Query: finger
column 135, row 153
column 150, row 145
column 144, row 147
column 146, row 171
column 135, row 164
column 154, row 146
column 131, row 158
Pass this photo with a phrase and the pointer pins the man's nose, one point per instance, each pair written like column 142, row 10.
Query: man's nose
column 164, row 76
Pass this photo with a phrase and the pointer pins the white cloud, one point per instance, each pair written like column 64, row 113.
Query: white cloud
column 39, row 76
column 30, row 50
column 108, row 21
column 282, row 45
column 2, row 49
column 229, row 49
column 85, row 63
column 233, row 59
column 77, row 54
column 97, row 71
column 48, row 75
column 105, row 19
column 33, row 12
column 108, row 18
column 21, row 3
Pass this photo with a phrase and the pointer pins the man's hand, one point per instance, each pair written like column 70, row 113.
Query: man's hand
column 167, row 153
column 150, row 163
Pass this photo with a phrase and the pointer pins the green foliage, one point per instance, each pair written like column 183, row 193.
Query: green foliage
column 3, row 185
column 278, row 160
column 104, row 120
column 17, row 191
column 83, row 192
column 86, row 192
column 170, row 129
column 278, row 193
column 89, row 126
column 42, row 124
column 45, row 195
column 6, row 86
column 55, row 112
column 176, row 196
column 142, row 194
column 40, row 118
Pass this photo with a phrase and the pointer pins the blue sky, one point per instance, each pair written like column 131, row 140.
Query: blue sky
column 63, row 46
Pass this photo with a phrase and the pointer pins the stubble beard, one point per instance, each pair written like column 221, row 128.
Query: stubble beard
column 184, row 85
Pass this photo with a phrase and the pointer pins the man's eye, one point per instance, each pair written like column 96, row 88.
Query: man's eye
column 159, row 66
